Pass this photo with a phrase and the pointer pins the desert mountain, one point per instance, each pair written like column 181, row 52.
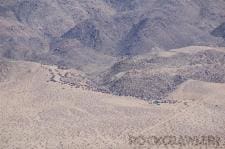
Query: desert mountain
column 91, row 73
column 75, row 33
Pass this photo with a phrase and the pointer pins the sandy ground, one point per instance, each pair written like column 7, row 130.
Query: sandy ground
column 36, row 113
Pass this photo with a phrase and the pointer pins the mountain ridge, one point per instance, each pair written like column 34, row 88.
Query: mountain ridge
column 115, row 28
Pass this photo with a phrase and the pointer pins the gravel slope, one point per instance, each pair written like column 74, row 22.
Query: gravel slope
column 38, row 113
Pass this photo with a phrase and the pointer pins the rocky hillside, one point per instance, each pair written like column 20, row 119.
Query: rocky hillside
column 154, row 77
column 83, row 30
column 123, row 43
column 96, row 73
column 38, row 113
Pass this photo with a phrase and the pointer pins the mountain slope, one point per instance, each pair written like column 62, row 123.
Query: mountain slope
column 36, row 112
column 111, row 27
column 153, row 77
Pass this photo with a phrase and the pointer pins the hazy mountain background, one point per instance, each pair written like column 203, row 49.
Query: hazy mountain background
column 112, row 27
column 102, row 38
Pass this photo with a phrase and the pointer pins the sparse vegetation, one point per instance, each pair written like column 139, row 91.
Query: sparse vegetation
column 86, row 74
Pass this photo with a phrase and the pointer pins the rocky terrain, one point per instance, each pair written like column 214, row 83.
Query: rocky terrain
column 91, row 33
column 103, row 38
column 91, row 73
column 154, row 77
column 36, row 112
